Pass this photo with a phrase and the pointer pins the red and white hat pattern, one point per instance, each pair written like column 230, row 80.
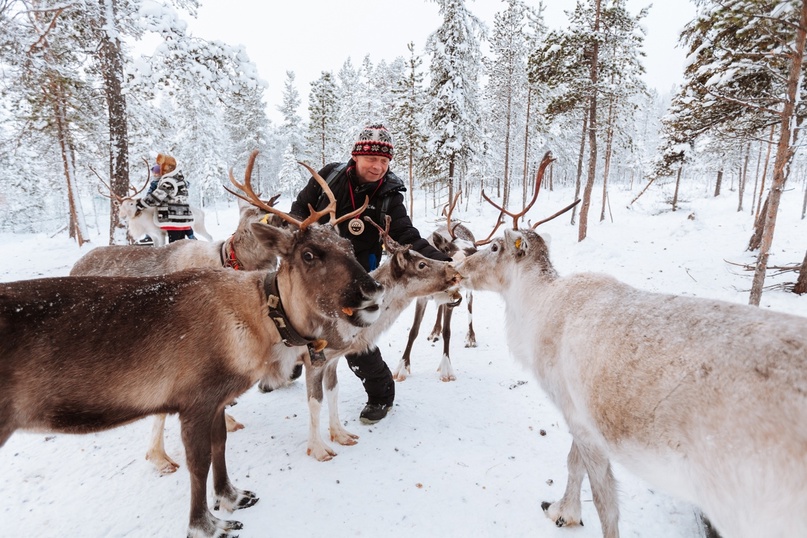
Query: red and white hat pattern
column 374, row 140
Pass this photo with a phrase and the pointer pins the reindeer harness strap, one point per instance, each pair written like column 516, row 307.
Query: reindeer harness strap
column 228, row 257
column 288, row 334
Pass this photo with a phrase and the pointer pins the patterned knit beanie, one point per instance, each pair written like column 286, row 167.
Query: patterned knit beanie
column 167, row 163
column 374, row 140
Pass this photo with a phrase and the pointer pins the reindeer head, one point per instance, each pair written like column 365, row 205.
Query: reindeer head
column 519, row 250
column 419, row 275
column 316, row 263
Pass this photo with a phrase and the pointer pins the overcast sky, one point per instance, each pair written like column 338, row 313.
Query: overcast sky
column 311, row 36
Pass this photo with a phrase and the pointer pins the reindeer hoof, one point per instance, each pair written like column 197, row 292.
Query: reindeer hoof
column 232, row 424
column 247, row 499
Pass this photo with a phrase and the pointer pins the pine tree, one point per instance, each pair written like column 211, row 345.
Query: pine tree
column 453, row 111
column 406, row 121
column 323, row 111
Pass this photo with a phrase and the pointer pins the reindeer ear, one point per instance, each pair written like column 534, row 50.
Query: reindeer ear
column 274, row 237
column 546, row 237
column 439, row 242
column 397, row 261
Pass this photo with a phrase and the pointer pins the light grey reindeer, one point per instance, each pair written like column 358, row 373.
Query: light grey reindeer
column 243, row 250
column 73, row 360
column 140, row 223
column 456, row 241
column 405, row 275
column 704, row 399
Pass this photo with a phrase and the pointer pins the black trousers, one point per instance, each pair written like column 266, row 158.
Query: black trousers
column 176, row 235
column 375, row 375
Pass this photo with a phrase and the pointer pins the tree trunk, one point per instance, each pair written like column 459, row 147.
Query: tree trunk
column 525, row 178
column 508, row 122
column 579, row 165
column 784, row 153
column 451, row 167
column 111, row 62
column 609, row 137
column 592, row 131
column 756, row 180
column 801, row 283
column 743, row 175
column 718, row 182
column 677, row 185
column 411, row 180
column 764, row 173
column 804, row 204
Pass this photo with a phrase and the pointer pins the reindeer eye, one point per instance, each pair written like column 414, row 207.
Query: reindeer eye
column 422, row 265
column 308, row 256
column 494, row 248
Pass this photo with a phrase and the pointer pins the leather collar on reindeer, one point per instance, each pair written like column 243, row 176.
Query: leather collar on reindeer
column 228, row 257
column 288, row 334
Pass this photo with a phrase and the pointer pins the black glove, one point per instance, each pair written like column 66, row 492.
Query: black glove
column 140, row 206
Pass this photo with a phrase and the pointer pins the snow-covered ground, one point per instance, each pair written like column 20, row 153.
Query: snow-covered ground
column 473, row 457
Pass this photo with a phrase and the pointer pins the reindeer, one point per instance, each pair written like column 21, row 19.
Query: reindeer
column 72, row 361
column 243, row 250
column 144, row 222
column 456, row 241
column 405, row 275
column 702, row 398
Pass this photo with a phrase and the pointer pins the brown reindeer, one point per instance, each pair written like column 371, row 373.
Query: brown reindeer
column 457, row 241
column 243, row 250
column 84, row 354
column 704, row 399
column 405, row 275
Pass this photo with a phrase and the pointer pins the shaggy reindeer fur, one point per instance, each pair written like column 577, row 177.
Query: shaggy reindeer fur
column 458, row 247
column 127, row 260
column 405, row 275
column 83, row 354
column 704, row 399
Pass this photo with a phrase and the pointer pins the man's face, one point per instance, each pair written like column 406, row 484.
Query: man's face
column 371, row 168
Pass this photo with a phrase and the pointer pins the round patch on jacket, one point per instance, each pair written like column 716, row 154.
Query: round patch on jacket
column 355, row 226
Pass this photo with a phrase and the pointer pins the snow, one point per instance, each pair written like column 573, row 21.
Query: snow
column 474, row 457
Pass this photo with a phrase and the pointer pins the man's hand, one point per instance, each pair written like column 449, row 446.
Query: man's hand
column 140, row 207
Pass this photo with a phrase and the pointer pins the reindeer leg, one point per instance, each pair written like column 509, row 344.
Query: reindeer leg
column 313, row 384
column 197, row 437
column 156, row 452
column 567, row 511
column 404, row 367
column 470, row 337
column 445, row 368
column 228, row 497
column 435, row 334
column 603, row 488
column 337, row 431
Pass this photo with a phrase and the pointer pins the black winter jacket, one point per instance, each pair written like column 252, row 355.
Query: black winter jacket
column 367, row 246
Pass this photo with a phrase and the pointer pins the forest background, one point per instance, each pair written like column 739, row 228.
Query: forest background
column 474, row 110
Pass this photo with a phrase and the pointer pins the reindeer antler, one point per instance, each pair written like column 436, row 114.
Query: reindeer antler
column 559, row 213
column 148, row 179
column 254, row 199
column 111, row 194
column 389, row 242
column 332, row 204
column 489, row 238
column 546, row 161
column 448, row 216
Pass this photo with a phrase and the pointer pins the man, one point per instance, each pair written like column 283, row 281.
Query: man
column 367, row 174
